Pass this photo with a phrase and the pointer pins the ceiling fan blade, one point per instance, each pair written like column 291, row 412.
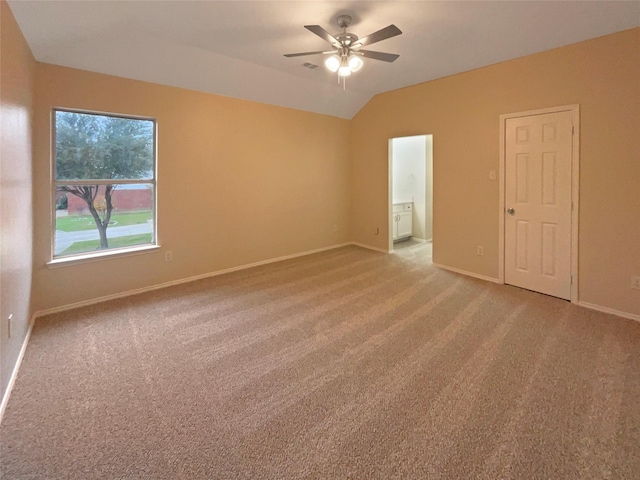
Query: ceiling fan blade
column 386, row 32
column 322, row 33
column 307, row 53
column 385, row 57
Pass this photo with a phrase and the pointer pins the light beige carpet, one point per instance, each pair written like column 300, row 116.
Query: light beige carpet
column 344, row 364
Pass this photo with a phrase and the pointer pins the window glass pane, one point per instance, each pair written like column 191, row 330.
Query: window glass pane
column 83, row 225
column 91, row 147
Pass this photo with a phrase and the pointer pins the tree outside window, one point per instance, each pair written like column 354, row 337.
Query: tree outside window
column 104, row 182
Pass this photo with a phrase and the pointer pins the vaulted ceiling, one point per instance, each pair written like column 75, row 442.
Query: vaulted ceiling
column 235, row 48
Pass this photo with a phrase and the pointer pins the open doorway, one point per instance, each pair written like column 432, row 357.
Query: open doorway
column 410, row 191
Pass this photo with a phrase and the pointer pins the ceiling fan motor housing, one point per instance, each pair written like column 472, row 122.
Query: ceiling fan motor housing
column 346, row 39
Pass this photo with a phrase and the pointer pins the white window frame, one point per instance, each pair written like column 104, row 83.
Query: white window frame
column 71, row 259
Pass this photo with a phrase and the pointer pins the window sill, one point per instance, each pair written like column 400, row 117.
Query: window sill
column 96, row 257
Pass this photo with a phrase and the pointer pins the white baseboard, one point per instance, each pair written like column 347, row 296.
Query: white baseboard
column 469, row 274
column 612, row 311
column 16, row 367
column 172, row 283
column 369, row 247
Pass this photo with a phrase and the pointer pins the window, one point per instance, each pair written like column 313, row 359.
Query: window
column 103, row 182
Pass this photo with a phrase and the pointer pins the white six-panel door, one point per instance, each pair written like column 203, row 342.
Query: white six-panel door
column 538, row 154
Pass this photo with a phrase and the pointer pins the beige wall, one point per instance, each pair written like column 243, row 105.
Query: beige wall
column 462, row 112
column 238, row 182
column 16, row 83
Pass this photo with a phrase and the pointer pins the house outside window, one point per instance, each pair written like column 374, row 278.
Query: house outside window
column 104, row 183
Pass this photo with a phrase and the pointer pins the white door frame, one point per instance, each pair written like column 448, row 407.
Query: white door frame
column 575, row 186
column 390, row 197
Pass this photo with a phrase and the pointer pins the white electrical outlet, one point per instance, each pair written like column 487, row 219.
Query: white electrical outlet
column 168, row 256
column 635, row 282
column 480, row 250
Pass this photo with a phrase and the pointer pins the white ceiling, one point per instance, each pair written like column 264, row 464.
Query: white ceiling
column 235, row 48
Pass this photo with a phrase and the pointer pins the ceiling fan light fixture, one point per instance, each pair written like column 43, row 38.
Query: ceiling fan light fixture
column 344, row 71
column 332, row 63
column 355, row 63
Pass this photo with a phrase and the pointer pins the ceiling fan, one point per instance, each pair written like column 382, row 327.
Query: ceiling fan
column 347, row 53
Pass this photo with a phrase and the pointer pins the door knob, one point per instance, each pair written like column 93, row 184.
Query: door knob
column 511, row 211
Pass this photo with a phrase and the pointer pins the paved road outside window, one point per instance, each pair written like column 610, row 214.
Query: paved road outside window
column 65, row 239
